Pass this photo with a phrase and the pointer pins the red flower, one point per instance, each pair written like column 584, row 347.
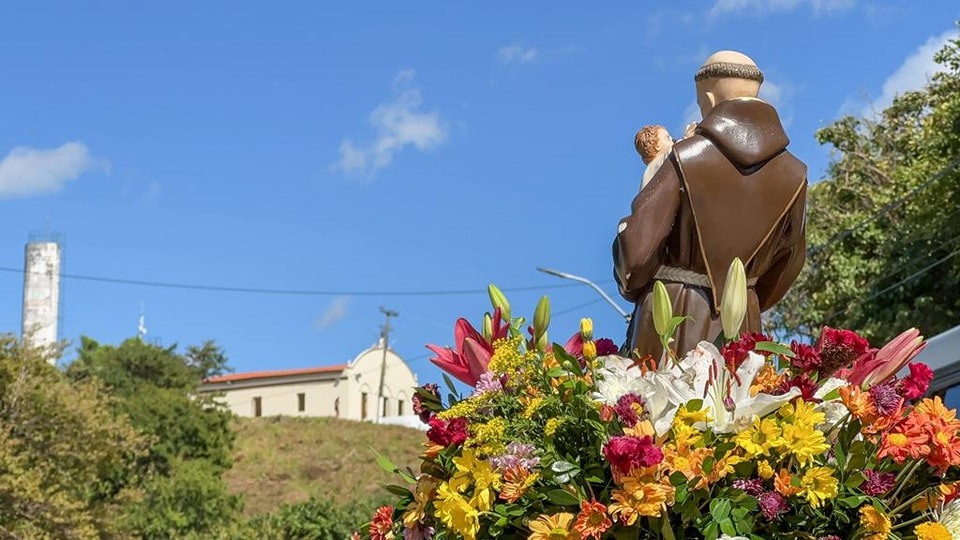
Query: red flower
column 627, row 453
column 606, row 346
column 838, row 348
column 382, row 523
column 628, row 408
column 915, row 385
column 446, row 433
column 803, row 382
column 806, row 358
column 473, row 352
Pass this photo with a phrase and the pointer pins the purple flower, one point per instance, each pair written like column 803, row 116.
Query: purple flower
column 876, row 483
column 830, row 537
column 885, row 398
column 517, row 455
column 626, row 410
column 420, row 532
column 754, row 486
column 772, row 504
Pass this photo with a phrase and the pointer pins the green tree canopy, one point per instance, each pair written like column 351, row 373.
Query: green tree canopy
column 884, row 225
column 190, row 438
column 61, row 452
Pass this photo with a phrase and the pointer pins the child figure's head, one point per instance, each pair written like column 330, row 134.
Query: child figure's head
column 651, row 141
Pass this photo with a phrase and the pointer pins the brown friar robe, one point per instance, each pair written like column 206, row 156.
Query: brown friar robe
column 730, row 190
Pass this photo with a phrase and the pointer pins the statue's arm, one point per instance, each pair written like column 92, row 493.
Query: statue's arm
column 638, row 247
column 776, row 281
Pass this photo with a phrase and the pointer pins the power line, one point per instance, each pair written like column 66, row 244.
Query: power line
column 291, row 292
column 814, row 250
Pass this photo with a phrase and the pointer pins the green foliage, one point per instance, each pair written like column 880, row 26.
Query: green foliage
column 61, row 452
column 899, row 266
column 190, row 436
column 318, row 518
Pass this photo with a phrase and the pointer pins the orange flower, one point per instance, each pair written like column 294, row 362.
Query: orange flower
column 642, row 495
column 382, row 523
column 516, row 482
column 555, row 527
column 767, row 379
column 592, row 520
column 858, row 403
column 783, row 483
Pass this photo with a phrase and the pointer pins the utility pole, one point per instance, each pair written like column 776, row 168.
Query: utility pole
column 385, row 337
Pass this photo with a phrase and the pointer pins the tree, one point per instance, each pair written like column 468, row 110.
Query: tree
column 65, row 461
column 884, row 226
column 190, row 435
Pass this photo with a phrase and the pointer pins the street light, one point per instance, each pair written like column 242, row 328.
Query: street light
column 594, row 286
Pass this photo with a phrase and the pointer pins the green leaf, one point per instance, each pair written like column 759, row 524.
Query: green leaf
column 775, row 348
column 720, row 509
column 384, row 462
column 562, row 498
column 399, row 491
column 562, row 466
column 450, row 386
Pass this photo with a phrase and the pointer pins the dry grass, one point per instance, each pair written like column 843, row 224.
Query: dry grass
column 286, row 460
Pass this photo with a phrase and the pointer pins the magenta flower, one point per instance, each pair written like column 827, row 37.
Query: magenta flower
column 915, row 385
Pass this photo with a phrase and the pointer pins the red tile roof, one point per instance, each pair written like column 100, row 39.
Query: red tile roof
column 250, row 375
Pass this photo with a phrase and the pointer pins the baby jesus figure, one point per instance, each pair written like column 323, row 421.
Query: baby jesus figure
column 653, row 143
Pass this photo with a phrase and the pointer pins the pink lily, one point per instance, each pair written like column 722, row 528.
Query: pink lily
column 473, row 353
column 574, row 345
column 876, row 367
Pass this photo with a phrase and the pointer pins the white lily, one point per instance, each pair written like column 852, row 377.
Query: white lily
column 833, row 409
column 701, row 375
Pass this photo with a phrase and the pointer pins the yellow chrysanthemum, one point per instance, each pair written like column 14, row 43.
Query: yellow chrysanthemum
column 760, row 438
column 764, row 470
column 424, row 492
column 817, row 485
column 875, row 523
column 932, row 530
column 555, row 527
column 455, row 512
column 803, row 441
column 802, row 414
column 478, row 473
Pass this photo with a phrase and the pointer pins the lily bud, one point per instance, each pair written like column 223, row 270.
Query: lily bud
column 733, row 304
column 542, row 342
column 541, row 316
column 662, row 308
column 586, row 329
column 487, row 327
column 499, row 300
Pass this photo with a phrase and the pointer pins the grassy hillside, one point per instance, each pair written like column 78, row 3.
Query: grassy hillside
column 285, row 460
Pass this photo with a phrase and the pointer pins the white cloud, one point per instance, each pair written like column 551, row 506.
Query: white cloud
column 913, row 74
column 517, row 53
column 819, row 7
column 399, row 123
column 31, row 171
column 336, row 311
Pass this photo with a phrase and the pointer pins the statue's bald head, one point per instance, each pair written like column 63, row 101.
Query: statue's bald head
column 726, row 75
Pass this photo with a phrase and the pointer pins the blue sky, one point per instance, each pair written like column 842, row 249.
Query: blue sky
column 360, row 148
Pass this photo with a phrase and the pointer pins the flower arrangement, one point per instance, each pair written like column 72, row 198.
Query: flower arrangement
column 740, row 439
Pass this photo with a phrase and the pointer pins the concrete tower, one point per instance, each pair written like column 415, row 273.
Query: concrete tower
column 41, row 292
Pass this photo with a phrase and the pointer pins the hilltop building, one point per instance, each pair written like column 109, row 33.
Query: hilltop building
column 346, row 390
